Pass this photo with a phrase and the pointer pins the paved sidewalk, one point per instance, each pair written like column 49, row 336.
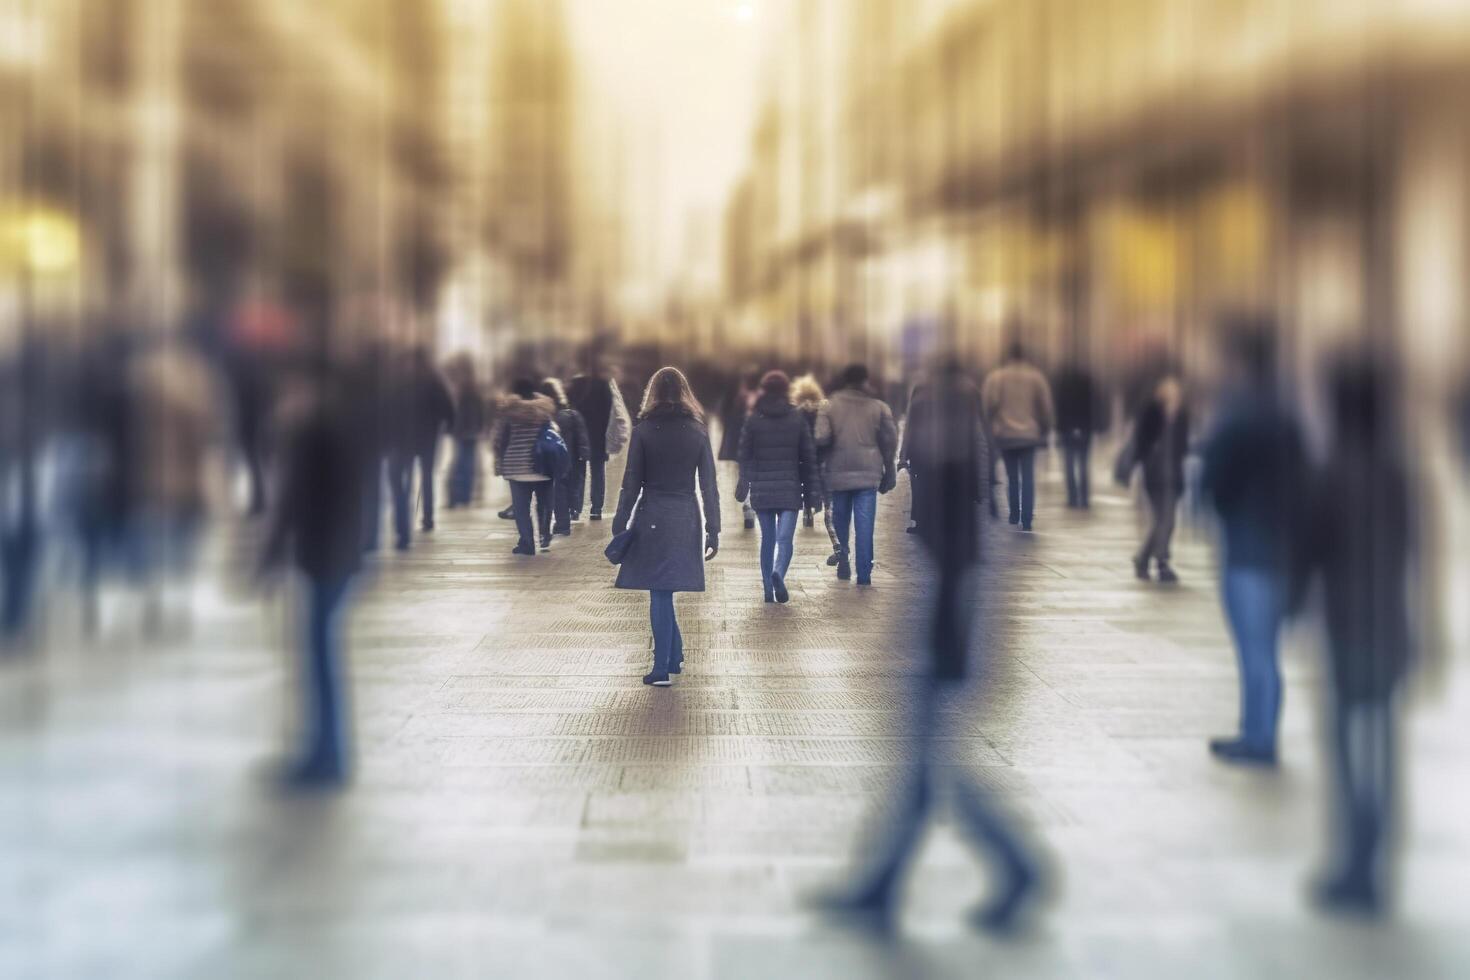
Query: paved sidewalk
column 526, row 808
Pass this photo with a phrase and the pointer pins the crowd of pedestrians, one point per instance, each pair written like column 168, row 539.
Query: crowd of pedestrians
column 130, row 455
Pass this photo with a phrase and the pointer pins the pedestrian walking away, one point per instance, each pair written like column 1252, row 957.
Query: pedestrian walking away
column 777, row 476
column 1019, row 415
column 857, row 432
column 605, row 414
column 573, row 430
column 519, row 423
column 1158, row 444
column 422, row 411
column 469, row 425
column 669, row 450
column 807, row 392
column 1081, row 412
column 1254, row 477
column 317, row 521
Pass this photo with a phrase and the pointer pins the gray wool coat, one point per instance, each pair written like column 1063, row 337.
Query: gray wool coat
column 669, row 448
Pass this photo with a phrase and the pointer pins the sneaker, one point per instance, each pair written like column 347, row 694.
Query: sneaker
column 509, row 514
column 779, row 587
column 1239, row 751
column 867, row 909
column 1140, row 569
column 656, row 679
column 518, row 550
column 596, row 515
column 833, row 559
column 844, row 570
column 1167, row 574
column 545, row 542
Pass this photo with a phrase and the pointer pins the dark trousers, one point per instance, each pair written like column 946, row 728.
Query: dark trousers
column 577, row 488
column 1364, row 764
column 462, row 471
column 1076, row 463
column 327, row 739
column 19, row 560
column 372, row 503
column 523, row 493
column 400, row 482
column 1163, row 504
column 597, row 477
column 668, row 642
column 1020, row 483
column 916, row 483
column 562, row 491
column 978, row 817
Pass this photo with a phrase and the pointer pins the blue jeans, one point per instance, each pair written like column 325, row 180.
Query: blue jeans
column 668, row 642
column 1020, row 483
column 521, row 494
column 327, row 747
column 778, row 527
column 1253, row 605
column 859, row 508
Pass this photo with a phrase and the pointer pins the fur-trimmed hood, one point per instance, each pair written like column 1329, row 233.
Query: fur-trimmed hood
column 527, row 411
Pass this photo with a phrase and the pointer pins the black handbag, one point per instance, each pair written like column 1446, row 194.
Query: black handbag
column 617, row 548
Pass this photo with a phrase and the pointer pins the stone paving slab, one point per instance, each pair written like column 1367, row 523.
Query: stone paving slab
column 525, row 807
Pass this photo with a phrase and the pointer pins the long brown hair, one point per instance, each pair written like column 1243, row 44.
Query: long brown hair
column 668, row 388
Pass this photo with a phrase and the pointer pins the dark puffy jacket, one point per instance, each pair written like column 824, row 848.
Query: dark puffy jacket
column 592, row 396
column 778, row 456
column 1255, row 474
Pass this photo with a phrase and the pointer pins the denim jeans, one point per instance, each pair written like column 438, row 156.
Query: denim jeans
column 1076, row 459
column 668, row 642
column 597, row 486
column 858, row 508
column 1020, row 483
column 1253, row 605
column 561, row 503
column 326, row 729
column 522, row 493
column 462, row 476
column 1364, row 749
column 778, row 528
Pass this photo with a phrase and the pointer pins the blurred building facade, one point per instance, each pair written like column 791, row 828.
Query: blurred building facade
column 1111, row 173
column 400, row 169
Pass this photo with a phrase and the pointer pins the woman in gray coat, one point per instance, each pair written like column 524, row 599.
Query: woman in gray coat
column 670, row 446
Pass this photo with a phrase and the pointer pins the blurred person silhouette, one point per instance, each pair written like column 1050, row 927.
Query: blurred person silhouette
column 950, row 435
column 520, row 418
column 1254, row 477
column 1360, row 539
column 597, row 398
column 21, row 438
column 1019, row 415
column 918, row 401
column 316, row 527
column 573, row 429
column 1080, row 415
column 370, row 381
column 171, row 394
column 469, row 425
column 807, row 392
column 670, row 449
column 422, row 411
column 857, row 432
column 778, row 476
column 738, row 403
column 1158, row 444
